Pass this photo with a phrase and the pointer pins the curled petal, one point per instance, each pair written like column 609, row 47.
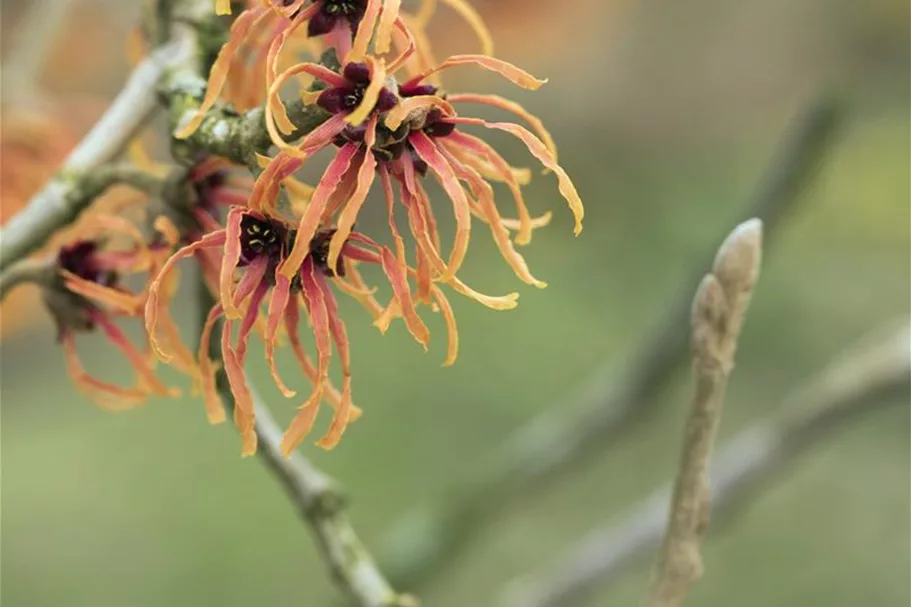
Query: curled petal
column 332, row 395
column 154, row 305
column 364, row 32
column 249, row 320
column 281, row 294
column 540, row 151
column 122, row 301
column 316, row 306
column 452, row 351
column 139, row 363
column 402, row 292
column 460, row 142
column 311, row 218
column 340, row 338
column 515, row 109
column 410, row 46
column 244, row 415
column 230, row 261
column 365, row 176
column 218, row 76
column 503, row 302
column 429, row 153
column 419, row 103
column 509, row 71
column 215, row 411
column 484, row 194
column 388, row 16
column 105, row 394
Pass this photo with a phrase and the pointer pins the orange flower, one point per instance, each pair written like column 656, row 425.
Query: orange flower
column 86, row 295
column 256, row 246
column 400, row 137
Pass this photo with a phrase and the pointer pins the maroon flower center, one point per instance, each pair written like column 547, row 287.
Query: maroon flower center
column 79, row 258
column 345, row 98
column 319, row 252
column 261, row 237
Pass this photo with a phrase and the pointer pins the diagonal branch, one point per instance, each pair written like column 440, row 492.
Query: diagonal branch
column 317, row 498
column 567, row 432
column 175, row 74
column 865, row 379
column 62, row 199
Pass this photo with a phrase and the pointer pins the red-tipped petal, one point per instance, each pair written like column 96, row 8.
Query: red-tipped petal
column 427, row 150
column 230, row 261
column 310, row 220
column 215, row 410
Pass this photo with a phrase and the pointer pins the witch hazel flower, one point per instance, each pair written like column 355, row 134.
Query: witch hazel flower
column 248, row 63
column 85, row 294
column 254, row 246
column 399, row 133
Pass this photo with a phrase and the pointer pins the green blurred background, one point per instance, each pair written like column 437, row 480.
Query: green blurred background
column 666, row 113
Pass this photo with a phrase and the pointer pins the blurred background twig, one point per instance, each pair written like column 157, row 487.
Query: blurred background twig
column 719, row 308
column 568, row 432
column 861, row 381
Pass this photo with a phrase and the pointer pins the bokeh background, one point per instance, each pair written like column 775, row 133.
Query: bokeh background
column 667, row 113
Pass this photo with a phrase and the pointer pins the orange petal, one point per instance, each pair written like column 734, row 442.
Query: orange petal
column 244, row 415
column 539, row 151
column 394, row 117
column 371, row 93
column 484, row 194
column 281, row 294
column 139, row 363
column 388, row 17
column 365, row 176
column 509, row 71
column 340, row 338
column 122, row 301
column 515, row 109
column 402, row 291
column 230, row 261
column 106, row 395
column 364, row 32
column 218, row 75
column 428, row 152
column 154, row 305
column 311, row 218
column 452, row 351
column 215, row 410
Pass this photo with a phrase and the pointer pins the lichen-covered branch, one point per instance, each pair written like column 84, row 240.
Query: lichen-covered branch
column 67, row 194
column 612, row 398
column 863, row 380
column 317, row 498
column 173, row 74
column 719, row 308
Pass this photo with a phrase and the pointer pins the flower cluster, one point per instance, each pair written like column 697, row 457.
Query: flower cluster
column 274, row 249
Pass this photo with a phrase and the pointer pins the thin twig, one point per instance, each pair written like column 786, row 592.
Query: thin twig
column 719, row 308
column 865, row 379
column 80, row 190
column 61, row 200
column 25, row 271
column 317, row 498
column 613, row 399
